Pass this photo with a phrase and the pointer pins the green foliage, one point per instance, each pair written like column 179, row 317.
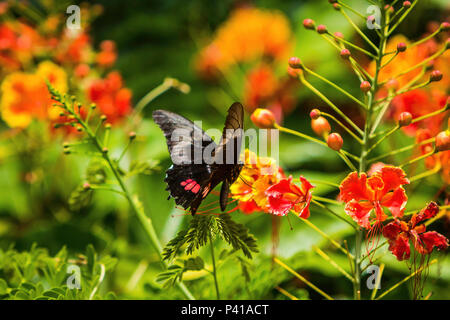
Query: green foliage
column 142, row 167
column 175, row 271
column 35, row 275
column 80, row 198
column 199, row 230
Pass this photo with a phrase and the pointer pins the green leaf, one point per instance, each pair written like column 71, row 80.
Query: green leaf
column 143, row 167
column 80, row 198
column 194, row 264
column 3, row 287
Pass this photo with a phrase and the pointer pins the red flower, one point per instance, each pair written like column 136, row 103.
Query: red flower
column 285, row 196
column 383, row 189
column 113, row 100
column 399, row 233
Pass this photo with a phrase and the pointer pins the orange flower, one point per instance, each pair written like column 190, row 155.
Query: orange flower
column 266, row 33
column 74, row 49
column 403, row 60
column 438, row 160
column 112, row 99
column 257, row 175
column 362, row 195
column 108, row 54
column 418, row 103
column 25, row 96
column 18, row 44
column 264, row 89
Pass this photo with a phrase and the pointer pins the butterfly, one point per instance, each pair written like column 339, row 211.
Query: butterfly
column 199, row 164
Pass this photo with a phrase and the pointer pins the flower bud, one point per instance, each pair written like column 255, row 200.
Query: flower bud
column 81, row 70
column 445, row 26
column 93, row 106
column 405, row 119
column 389, row 8
column 401, row 47
column 322, row 29
column 335, row 142
column 105, row 150
column 103, row 118
column 365, row 86
column 338, row 34
column 321, row 126
column 443, row 141
column 337, row 6
column 263, row 118
column 345, row 54
column 436, row 75
column 132, row 135
column 314, row 114
column 309, row 24
column 295, row 63
column 406, row 4
column 86, row 186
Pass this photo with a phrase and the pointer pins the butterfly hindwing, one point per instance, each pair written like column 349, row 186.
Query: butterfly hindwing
column 188, row 184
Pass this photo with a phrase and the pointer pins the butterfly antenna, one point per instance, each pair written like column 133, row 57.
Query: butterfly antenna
column 245, row 182
column 289, row 221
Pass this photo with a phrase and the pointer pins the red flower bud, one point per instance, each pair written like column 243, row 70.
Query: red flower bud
column 337, row 6
column 406, row 4
column 365, row 86
column 401, row 47
column 132, row 135
column 405, row 119
column 314, row 114
column 345, row 54
column 436, row 75
column 321, row 126
column 335, row 142
column 389, row 8
column 445, row 26
column 263, row 118
column 86, row 186
column 443, row 141
column 338, row 34
column 295, row 63
column 321, row 29
column 371, row 18
column 309, row 24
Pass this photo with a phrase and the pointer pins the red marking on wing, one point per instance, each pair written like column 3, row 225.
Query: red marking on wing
column 196, row 188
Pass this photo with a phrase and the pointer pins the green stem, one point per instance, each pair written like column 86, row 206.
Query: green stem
column 214, row 266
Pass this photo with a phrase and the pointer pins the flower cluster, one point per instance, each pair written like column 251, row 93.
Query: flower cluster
column 260, row 49
column 263, row 187
column 70, row 64
column 266, row 33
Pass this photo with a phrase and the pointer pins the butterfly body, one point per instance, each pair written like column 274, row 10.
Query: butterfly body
column 192, row 177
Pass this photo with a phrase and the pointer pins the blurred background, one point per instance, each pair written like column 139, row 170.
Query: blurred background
column 225, row 51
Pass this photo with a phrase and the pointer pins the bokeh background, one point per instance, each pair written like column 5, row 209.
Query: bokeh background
column 172, row 38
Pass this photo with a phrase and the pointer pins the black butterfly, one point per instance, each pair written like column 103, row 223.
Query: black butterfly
column 199, row 165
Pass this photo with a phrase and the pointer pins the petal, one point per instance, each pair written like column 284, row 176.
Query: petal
column 304, row 212
column 284, row 186
column 279, row 206
column 395, row 202
column 354, row 187
column 392, row 230
column 248, row 207
column 393, row 177
column 400, row 247
column 426, row 213
column 360, row 214
column 433, row 239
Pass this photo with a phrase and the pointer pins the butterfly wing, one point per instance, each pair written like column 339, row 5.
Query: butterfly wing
column 228, row 151
column 188, row 179
column 185, row 140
